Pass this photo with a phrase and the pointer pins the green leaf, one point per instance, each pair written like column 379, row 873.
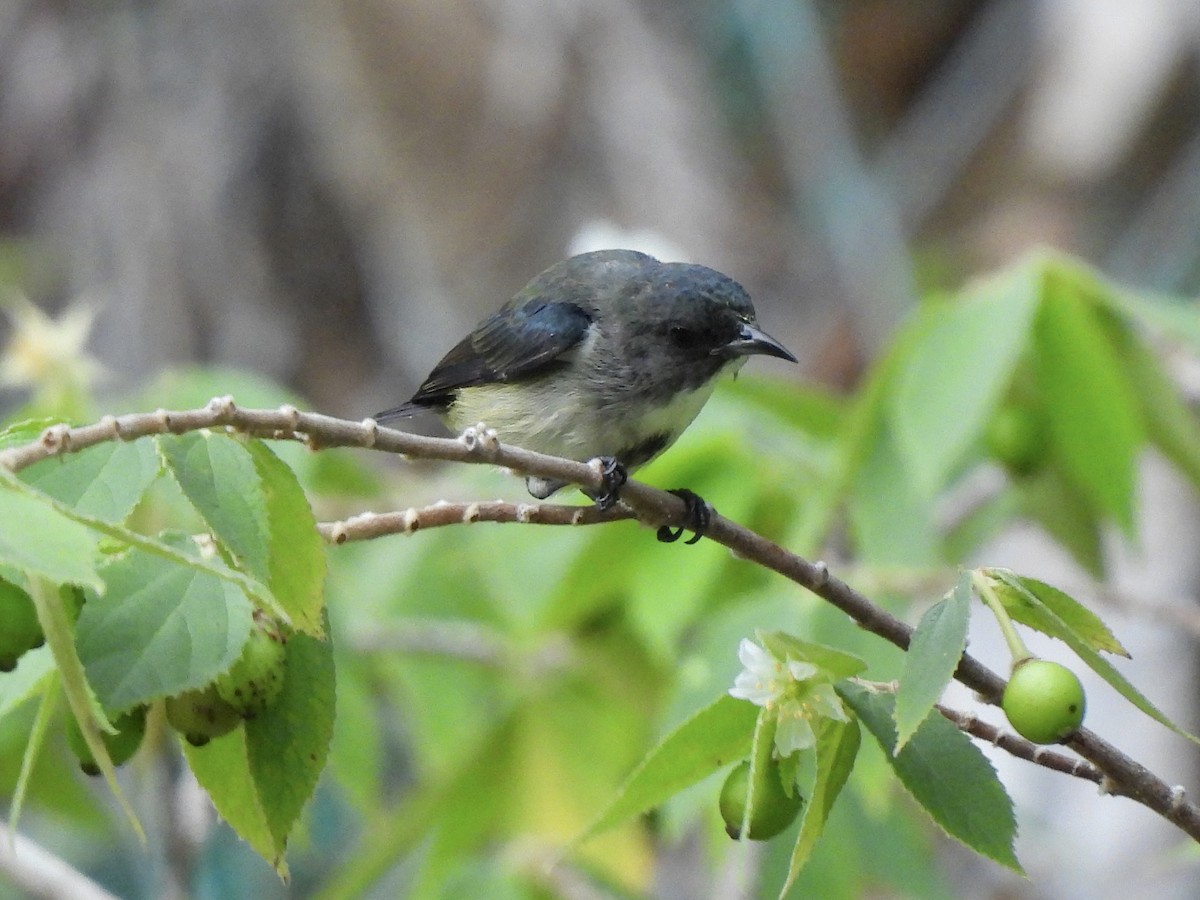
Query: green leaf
column 105, row 481
column 946, row 774
column 933, row 654
column 37, row 537
column 1059, row 506
column 808, row 408
column 222, row 768
column 1005, row 580
column 297, row 553
column 261, row 776
column 1028, row 601
column 159, row 629
column 1089, row 401
column 717, row 735
column 1170, row 422
column 26, row 681
column 957, row 369
column 837, row 750
column 1178, row 317
column 25, row 431
column 123, row 536
column 192, row 387
column 217, row 474
column 288, row 743
column 835, row 664
column 892, row 524
column 866, row 460
column 258, row 511
column 762, row 748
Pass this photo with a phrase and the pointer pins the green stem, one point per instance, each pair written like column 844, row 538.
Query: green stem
column 60, row 637
column 33, row 749
column 1016, row 646
column 762, row 749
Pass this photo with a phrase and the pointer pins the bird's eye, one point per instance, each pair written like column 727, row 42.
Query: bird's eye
column 685, row 338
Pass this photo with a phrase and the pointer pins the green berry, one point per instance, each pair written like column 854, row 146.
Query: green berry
column 131, row 728
column 1044, row 701
column 201, row 715
column 773, row 809
column 256, row 679
column 20, row 630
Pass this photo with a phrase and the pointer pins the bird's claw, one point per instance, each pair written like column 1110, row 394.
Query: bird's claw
column 697, row 518
column 613, row 476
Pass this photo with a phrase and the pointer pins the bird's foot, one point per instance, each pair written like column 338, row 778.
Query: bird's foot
column 613, row 476
column 697, row 518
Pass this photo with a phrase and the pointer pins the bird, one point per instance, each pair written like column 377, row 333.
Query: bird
column 609, row 354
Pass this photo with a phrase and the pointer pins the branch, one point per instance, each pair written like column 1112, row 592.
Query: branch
column 1022, row 749
column 1121, row 774
column 367, row 526
column 1013, row 744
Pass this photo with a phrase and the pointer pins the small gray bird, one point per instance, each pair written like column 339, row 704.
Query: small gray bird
column 608, row 354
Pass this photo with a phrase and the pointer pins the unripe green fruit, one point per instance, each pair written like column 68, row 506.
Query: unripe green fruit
column 1044, row 701
column 131, row 728
column 773, row 809
column 201, row 715
column 20, row 630
column 256, row 679
column 1016, row 437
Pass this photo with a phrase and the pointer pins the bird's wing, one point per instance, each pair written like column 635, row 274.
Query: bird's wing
column 519, row 341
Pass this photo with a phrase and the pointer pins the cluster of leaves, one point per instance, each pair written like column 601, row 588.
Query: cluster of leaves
column 942, row 770
column 164, row 615
column 1046, row 366
column 497, row 685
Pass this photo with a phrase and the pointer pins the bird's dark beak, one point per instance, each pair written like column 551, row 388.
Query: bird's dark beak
column 751, row 341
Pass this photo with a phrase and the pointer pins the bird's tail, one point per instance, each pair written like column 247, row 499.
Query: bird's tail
column 403, row 411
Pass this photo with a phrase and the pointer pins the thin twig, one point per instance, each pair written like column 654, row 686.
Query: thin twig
column 1121, row 774
column 1013, row 744
column 369, row 525
column 1019, row 747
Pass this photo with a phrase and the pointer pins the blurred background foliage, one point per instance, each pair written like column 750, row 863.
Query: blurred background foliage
column 328, row 194
column 331, row 193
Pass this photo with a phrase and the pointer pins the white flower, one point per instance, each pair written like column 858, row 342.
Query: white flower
column 792, row 689
column 823, row 700
column 794, row 731
column 762, row 678
column 41, row 347
column 48, row 355
column 801, row 671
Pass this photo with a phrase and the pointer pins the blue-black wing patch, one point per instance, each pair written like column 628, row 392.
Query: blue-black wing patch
column 520, row 341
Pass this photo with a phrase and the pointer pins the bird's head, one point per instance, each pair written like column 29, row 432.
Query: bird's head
column 693, row 322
